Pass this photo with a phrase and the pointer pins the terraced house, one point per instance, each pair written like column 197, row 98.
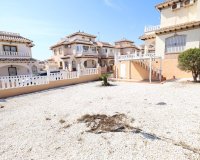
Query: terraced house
column 82, row 49
column 178, row 31
column 16, row 56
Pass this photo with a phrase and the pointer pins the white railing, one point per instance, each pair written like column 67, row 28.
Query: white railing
column 22, row 82
column 151, row 28
column 135, row 56
column 63, row 75
column 9, row 54
column 13, row 77
column 8, row 82
column 9, row 33
column 85, row 52
column 89, row 71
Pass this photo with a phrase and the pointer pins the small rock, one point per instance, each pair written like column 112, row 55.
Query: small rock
column 161, row 103
column 62, row 121
column 1, row 106
column 48, row 119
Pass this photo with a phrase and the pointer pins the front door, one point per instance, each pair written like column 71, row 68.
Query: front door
column 123, row 71
column 12, row 71
column 73, row 65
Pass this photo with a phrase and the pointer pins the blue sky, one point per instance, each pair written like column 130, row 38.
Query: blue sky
column 46, row 21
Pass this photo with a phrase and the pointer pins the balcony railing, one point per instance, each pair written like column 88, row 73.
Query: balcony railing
column 85, row 52
column 151, row 28
column 8, row 54
column 136, row 56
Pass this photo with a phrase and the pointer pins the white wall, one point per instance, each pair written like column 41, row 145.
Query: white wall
column 192, row 40
column 182, row 15
column 21, row 47
column 20, row 70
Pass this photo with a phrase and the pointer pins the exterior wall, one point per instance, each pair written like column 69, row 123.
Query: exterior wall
column 182, row 15
column 170, row 70
column 22, row 68
column 29, row 89
column 21, row 47
column 133, row 71
column 192, row 41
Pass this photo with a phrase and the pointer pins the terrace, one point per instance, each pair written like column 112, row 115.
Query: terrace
column 45, row 125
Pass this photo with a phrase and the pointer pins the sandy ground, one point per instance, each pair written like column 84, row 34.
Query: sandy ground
column 30, row 127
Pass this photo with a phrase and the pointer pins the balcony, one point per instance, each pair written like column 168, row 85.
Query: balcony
column 151, row 28
column 85, row 52
column 8, row 54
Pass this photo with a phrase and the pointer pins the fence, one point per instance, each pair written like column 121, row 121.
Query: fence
column 9, row 82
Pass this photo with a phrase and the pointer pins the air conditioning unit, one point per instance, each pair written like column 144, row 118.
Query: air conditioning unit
column 188, row 3
column 176, row 6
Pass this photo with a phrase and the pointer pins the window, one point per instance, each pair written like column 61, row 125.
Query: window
column 67, row 46
column 93, row 49
column 175, row 44
column 105, row 50
column 60, row 51
column 10, row 48
column 55, row 52
column 78, row 48
column 85, row 48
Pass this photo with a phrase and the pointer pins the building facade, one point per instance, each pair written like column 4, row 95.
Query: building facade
column 15, row 55
column 179, row 30
column 81, row 49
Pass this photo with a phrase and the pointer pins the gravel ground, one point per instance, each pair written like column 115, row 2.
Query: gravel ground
column 43, row 125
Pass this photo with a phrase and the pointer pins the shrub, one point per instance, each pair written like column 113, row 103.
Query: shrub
column 104, row 78
column 189, row 61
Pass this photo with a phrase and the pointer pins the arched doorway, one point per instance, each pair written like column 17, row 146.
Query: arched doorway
column 90, row 64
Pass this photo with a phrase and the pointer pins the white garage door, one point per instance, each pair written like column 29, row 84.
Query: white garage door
column 122, row 71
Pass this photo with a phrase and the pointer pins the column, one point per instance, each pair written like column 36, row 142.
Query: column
column 150, row 69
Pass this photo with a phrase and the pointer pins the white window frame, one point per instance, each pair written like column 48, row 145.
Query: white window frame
column 175, row 44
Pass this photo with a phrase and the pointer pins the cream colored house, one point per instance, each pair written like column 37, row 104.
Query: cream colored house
column 15, row 55
column 179, row 30
column 106, row 56
column 125, row 47
column 77, row 49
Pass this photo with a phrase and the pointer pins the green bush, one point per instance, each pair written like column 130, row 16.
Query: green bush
column 104, row 78
column 189, row 61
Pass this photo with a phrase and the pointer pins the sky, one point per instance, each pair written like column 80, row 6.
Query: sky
column 47, row 21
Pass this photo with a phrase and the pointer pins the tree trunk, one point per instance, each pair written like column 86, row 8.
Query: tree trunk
column 195, row 75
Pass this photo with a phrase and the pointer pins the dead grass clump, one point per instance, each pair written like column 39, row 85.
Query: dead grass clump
column 48, row 119
column 1, row 106
column 67, row 126
column 101, row 123
column 62, row 121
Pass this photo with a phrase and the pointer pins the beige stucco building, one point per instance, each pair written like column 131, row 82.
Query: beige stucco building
column 126, row 46
column 178, row 31
column 81, row 49
column 15, row 55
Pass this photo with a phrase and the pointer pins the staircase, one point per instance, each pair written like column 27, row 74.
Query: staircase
column 156, row 72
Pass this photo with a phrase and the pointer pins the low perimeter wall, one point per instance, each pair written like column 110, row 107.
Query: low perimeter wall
column 52, row 84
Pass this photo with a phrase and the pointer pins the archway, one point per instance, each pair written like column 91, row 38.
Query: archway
column 90, row 63
column 14, row 69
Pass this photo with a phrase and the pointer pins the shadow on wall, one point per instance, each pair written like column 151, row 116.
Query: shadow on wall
column 138, row 72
